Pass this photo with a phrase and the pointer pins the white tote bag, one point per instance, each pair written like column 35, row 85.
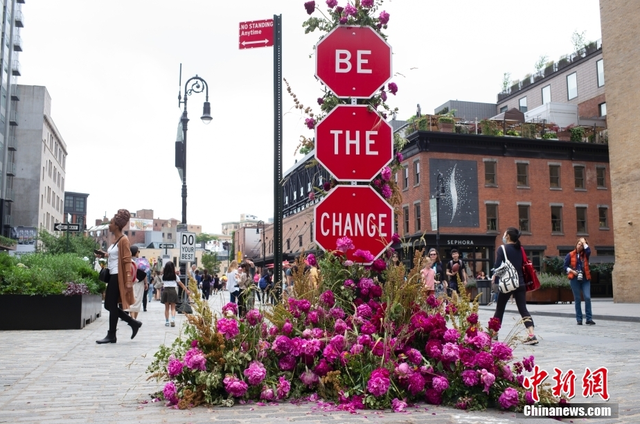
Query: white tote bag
column 507, row 275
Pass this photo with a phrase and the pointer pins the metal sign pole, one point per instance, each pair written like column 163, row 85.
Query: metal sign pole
column 277, row 152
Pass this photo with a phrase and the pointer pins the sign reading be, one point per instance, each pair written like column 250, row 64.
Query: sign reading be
column 187, row 247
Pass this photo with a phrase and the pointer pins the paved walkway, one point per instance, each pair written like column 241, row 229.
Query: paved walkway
column 63, row 376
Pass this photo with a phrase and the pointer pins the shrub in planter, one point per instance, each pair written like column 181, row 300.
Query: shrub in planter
column 550, row 135
column 577, row 134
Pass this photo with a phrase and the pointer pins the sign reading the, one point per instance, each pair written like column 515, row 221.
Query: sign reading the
column 166, row 245
column 354, row 143
column 66, row 227
column 256, row 34
column 187, row 247
column 356, row 212
column 353, row 61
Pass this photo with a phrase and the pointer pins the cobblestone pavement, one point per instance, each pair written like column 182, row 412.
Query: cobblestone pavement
column 65, row 377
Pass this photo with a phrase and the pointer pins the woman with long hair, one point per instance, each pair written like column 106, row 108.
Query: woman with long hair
column 440, row 278
column 120, row 286
column 576, row 263
column 513, row 248
column 232, row 284
column 170, row 292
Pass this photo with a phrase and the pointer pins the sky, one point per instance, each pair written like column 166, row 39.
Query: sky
column 111, row 68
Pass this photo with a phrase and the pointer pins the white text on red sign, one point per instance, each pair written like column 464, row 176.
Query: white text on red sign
column 348, row 142
column 344, row 224
column 343, row 57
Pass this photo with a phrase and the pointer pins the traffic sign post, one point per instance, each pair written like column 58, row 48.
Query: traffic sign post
column 353, row 61
column 187, row 247
column 356, row 212
column 59, row 226
column 354, row 143
column 166, row 246
column 256, row 34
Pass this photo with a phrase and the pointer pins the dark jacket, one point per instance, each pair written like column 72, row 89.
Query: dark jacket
column 514, row 255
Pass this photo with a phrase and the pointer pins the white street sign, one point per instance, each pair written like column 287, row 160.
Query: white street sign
column 187, row 247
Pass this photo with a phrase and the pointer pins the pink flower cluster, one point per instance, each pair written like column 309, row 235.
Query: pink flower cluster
column 228, row 327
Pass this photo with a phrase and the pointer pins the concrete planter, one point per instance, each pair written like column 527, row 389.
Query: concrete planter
column 57, row 312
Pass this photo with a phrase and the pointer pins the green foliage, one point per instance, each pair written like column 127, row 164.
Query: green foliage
column 45, row 274
column 552, row 280
column 210, row 262
column 553, row 265
column 604, row 270
column 541, row 63
column 549, row 135
column 489, row 127
column 506, row 82
column 77, row 244
column 205, row 238
column 577, row 134
column 6, row 241
column 513, row 133
column 529, row 131
column 578, row 39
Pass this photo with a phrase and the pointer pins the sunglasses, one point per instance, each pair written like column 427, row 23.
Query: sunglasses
column 433, row 254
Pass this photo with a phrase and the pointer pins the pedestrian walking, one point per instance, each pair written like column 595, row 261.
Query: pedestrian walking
column 513, row 248
column 140, row 282
column 170, row 293
column 206, row 284
column 456, row 273
column 231, row 283
column 120, row 286
column 428, row 274
column 576, row 263
column 157, row 285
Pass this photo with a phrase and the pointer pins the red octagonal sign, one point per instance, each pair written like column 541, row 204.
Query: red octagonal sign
column 356, row 212
column 354, row 143
column 353, row 61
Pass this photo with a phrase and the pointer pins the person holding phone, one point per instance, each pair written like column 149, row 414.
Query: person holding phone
column 120, row 286
column 576, row 263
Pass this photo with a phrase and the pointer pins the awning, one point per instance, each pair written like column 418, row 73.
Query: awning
column 512, row 115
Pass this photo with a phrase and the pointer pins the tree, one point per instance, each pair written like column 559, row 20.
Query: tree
column 578, row 39
column 78, row 244
column 205, row 238
column 210, row 262
column 506, row 81
column 540, row 64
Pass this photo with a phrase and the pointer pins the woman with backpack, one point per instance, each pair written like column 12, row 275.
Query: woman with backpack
column 170, row 292
column 207, row 280
column 513, row 248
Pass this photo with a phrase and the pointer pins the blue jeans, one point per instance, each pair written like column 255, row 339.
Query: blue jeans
column 583, row 286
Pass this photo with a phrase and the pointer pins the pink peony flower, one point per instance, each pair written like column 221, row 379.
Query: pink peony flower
column 349, row 10
column 309, row 378
column 528, row 397
column 228, row 327
column 195, row 359
column 414, row 356
column 304, row 305
column 472, row 318
column 287, row 363
column 433, row 397
column 174, row 367
column 416, row 383
column 282, row 344
column 255, row 373
column 170, row 393
column 384, row 17
column 337, row 313
column 356, row 349
column 267, row 394
column 501, row 351
column 254, row 317
column 311, row 347
column 393, row 88
column 310, row 6
column 344, row 244
column 451, row 335
column 379, row 382
column 364, row 311
column 234, row 386
column 364, row 255
column 396, row 404
column 320, row 99
column 395, row 238
column 331, row 353
column 508, row 398
column 494, row 324
column 528, row 363
column 194, row 343
column 383, row 96
column 340, row 326
column 312, row 196
column 364, row 340
column 311, row 259
column 484, row 360
column 283, row 388
column 440, row 383
column 230, row 307
column 487, row 379
column 328, row 298
column 386, row 174
column 338, row 342
column 322, row 368
column 399, row 157
column 366, row 3
column 379, row 265
column 386, row 191
column 470, row 377
column 450, row 352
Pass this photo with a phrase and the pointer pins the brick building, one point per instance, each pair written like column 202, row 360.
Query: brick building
column 553, row 191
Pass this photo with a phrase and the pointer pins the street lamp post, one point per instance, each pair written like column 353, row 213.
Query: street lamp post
column 193, row 85
column 261, row 223
column 439, row 193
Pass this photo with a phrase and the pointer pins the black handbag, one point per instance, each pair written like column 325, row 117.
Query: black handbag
column 105, row 275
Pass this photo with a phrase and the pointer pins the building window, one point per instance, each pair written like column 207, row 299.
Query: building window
column 572, row 86
column 578, row 171
column 133, row 233
column 504, row 109
column 416, row 172
column 416, row 209
column 523, row 174
column 601, row 173
column 169, row 236
column 603, row 217
column 602, row 109
column 523, row 104
column 405, row 214
column 300, row 241
column 490, row 168
column 556, row 219
column 600, row 71
column 405, row 180
column 288, row 244
column 581, row 219
column 546, row 94
column 492, row 217
column 523, row 218
column 554, row 176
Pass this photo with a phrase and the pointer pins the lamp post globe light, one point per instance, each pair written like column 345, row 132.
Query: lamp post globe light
column 193, row 85
column 261, row 224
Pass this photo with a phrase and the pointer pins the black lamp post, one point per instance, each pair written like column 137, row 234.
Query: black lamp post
column 439, row 194
column 261, row 223
column 193, row 85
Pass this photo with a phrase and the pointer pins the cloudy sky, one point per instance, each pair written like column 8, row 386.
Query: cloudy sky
column 112, row 67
